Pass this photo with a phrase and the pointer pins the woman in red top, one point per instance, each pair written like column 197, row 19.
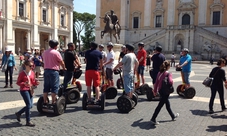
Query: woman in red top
column 164, row 96
column 26, row 80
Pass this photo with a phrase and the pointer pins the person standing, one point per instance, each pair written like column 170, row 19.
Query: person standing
column 173, row 60
column 37, row 59
column 109, row 64
column 93, row 59
column 164, row 96
column 158, row 58
column 130, row 65
column 8, row 64
column 26, row 80
column 70, row 59
column 104, row 57
column 141, row 56
column 52, row 60
column 148, row 61
column 122, row 54
column 186, row 65
column 217, row 86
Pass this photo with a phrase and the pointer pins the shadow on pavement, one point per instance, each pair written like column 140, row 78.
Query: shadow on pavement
column 10, row 125
column 217, row 128
column 143, row 125
column 219, row 116
column 200, row 112
column 98, row 111
column 10, row 90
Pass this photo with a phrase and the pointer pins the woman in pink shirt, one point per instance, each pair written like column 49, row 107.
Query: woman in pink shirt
column 164, row 96
column 26, row 80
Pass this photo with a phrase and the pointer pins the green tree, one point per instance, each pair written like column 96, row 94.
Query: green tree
column 80, row 20
column 89, row 34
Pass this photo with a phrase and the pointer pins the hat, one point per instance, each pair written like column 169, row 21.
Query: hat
column 110, row 44
column 185, row 50
column 130, row 47
column 158, row 48
column 141, row 44
column 101, row 45
column 7, row 49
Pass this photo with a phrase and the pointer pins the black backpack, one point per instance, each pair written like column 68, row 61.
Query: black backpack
column 166, row 87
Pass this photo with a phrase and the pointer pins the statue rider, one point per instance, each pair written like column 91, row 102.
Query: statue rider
column 114, row 19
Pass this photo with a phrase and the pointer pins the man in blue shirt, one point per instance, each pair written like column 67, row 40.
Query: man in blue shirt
column 185, row 64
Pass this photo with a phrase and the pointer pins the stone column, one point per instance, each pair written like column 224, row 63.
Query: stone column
column 70, row 19
column 191, row 41
column 124, row 19
column 171, row 12
column 1, row 41
column 34, row 31
column 55, row 20
column 147, row 13
column 167, row 42
column 97, row 22
column 28, row 40
column 171, row 37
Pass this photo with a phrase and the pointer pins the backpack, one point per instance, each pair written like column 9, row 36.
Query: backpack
column 166, row 87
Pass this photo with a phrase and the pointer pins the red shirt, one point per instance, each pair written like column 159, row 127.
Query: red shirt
column 22, row 79
column 142, row 53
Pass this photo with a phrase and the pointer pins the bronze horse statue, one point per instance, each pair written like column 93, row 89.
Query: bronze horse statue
column 110, row 28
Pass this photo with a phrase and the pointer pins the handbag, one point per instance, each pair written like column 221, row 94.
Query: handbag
column 5, row 65
column 166, row 87
column 209, row 80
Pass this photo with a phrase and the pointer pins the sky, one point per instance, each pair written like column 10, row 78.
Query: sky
column 82, row 6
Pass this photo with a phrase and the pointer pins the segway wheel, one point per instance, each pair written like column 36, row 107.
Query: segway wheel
column 190, row 92
column 111, row 92
column 135, row 98
column 40, row 105
column 144, row 88
column 103, row 98
column 84, row 101
column 179, row 92
column 124, row 104
column 79, row 86
column 59, row 107
column 60, row 91
column 119, row 84
column 72, row 96
column 149, row 94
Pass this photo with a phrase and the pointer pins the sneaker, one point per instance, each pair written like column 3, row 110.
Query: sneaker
column 98, row 102
column 30, row 124
column 175, row 116
column 18, row 116
column 154, row 122
column 211, row 111
column 6, row 86
column 11, row 86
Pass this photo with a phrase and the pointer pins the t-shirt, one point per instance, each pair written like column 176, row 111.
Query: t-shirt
column 129, row 61
column 157, row 59
column 142, row 53
column 69, row 58
column 36, row 61
column 186, row 68
column 122, row 54
column 93, row 58
column 52, row 59
column 104, row 55
column 110, row 55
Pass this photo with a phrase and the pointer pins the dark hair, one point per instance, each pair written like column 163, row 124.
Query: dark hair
column 53, row 43
column 164, row 66
column 130, row 47
column 70, row 44
column 221, row 61
column 158, row 48
column 27, row 62
column 141, row 44
column 93, row 45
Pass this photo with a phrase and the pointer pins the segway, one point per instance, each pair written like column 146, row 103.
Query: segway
column 185, row 92
column 58, row 108
column 124, row 103
column 100, row 104
column 140, row 90
column 72, row 92
column 110, row 91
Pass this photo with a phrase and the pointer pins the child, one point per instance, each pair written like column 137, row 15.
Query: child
column 21, row 59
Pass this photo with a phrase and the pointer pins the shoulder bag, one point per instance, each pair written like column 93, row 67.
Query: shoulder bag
column 209, row 80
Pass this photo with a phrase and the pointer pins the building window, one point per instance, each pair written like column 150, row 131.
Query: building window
column 135, row 22
column 62, row 20
column 216, row 18
column 44, row 15
column 158, row 21
column 21, row 9
column 186, row 19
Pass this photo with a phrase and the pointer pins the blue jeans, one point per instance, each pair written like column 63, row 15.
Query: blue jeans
column 186, row 77
column 128, row 83
column 51, row 81
column 67, row 78
column 28, row 100
column 163, row 100
column 10, row 71
column 141, row 70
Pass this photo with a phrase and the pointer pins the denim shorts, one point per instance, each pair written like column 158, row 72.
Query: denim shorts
column 128, row 83
column 186, row 77
column 141, row 70
column 51, row 81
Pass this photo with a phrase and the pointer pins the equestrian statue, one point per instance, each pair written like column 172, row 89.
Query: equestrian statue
column 112, row 26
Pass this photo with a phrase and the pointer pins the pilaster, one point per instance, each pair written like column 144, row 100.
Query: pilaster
column 147, row 13
column 171, row 12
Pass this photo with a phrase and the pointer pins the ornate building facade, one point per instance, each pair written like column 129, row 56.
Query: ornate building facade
column 26, row 24
column 199, row 25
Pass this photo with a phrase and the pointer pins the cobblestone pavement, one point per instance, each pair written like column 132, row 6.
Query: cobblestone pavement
column 194, row 119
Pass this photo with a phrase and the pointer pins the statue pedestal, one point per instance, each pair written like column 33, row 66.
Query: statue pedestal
column 179, row 48
column 117, row 50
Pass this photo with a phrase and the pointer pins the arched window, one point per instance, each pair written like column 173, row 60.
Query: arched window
column 186, row 19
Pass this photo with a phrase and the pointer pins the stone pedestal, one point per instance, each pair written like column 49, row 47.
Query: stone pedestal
column 117, row 50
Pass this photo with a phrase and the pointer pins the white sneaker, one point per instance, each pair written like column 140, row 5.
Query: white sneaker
column 175, row 116
column 154, row 122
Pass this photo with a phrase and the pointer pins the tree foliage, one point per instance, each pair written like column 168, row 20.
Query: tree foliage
column 89, row 34
column 80, row 20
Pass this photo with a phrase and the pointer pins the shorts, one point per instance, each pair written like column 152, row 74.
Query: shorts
column 92, row 76
column 128, row 83
column 141, row 70
column 51, row 81
column 109, row 74
column 38, row 69
column 186, row 77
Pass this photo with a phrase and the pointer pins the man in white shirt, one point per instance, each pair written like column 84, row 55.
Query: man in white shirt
column 109, row 64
